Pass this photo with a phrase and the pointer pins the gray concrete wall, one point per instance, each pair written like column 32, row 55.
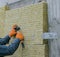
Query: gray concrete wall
column 23, row 3
column 54, row 26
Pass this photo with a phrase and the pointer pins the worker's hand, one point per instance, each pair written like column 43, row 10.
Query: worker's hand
column 12, row 33
column 20, row 36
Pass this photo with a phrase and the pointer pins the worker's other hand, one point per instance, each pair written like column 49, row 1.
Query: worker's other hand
column 12, row 33
column 20, row 36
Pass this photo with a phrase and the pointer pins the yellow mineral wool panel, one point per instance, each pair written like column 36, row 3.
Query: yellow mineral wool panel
column 35, row 51
column 11, row 18
column 12, row 14
column 31, row 20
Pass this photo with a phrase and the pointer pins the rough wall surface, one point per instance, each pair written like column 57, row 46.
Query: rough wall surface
column 33, row 22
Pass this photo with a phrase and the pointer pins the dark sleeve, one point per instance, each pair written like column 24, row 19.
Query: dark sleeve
column 9, row 50
column 4, row 40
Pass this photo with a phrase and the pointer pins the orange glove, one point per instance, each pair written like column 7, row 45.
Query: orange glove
column 20, row 36
column 12, row 33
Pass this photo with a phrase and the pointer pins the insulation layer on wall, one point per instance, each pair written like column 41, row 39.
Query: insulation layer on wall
column 33, row 22
column 2, row 19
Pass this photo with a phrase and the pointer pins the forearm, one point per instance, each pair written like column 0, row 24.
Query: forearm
column 9, row 50
column 4, row 40
column 13, row 47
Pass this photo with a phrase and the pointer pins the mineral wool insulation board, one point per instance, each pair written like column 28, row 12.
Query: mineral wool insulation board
column 2, row 19
column 32, row 20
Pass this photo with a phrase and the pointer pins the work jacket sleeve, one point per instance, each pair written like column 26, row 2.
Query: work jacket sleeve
column 9, row 50
column 4, row 40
